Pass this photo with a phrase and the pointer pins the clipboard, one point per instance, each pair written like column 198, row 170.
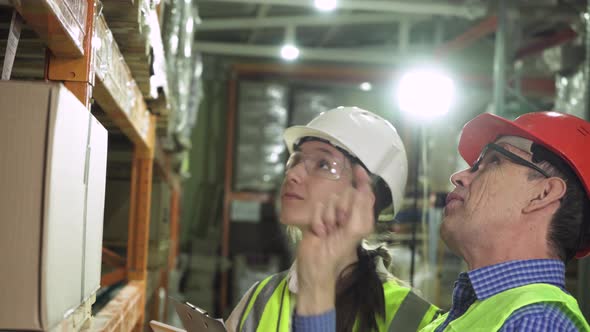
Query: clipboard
column 161, row 327
column 196, row 319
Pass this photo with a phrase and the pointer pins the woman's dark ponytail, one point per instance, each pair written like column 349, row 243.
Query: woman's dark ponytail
column 359, row 295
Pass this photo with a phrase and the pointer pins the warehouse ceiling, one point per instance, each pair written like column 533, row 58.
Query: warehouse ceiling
column 371, row 31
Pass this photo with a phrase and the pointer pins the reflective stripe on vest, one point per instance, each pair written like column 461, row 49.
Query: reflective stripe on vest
column 406, row 318
column 491, row 314
column 252, row 314
column 269, row 308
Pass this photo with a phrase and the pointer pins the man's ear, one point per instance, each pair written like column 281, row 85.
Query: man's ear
column 551, row 191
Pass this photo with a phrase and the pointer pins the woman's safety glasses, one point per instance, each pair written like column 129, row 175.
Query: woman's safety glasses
column 318, row 164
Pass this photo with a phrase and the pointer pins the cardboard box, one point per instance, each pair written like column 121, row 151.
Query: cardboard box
column 52, row 170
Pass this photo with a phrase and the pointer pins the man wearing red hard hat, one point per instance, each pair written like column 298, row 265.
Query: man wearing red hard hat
column 516, row 215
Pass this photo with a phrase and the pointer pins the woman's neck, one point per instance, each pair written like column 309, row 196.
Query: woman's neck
column 351, row 258
column 344, row 280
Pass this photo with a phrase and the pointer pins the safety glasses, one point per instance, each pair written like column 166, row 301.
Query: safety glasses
column 318, row 164
column 487, row 156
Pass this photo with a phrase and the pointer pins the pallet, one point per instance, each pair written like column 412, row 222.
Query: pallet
column 123, row 312
column 126, row 20
column 79, row 320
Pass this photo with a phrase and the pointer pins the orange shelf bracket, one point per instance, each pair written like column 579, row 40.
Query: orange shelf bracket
column 76, row 73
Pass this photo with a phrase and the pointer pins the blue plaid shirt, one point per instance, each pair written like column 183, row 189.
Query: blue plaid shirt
column 482, row 284
column 488, row 281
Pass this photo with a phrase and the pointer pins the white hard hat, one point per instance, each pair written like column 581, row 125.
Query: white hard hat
column 366, row 136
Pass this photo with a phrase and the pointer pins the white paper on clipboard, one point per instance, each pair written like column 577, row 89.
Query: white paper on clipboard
column 196, row 319
column 161, row 327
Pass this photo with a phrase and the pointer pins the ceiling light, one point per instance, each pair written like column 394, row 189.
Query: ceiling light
column 425, row 93
column 289, row 52
column 326, row 5
column 366, row 86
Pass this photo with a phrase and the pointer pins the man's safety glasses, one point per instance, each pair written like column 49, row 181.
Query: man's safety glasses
column 487, row 155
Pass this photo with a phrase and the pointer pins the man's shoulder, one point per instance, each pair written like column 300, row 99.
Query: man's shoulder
column 540, row 317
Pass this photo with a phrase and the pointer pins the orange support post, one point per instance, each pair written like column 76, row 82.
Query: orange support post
column 76, row 73
column 229, row 164
column 174, row 227
column 139, row 220
column 139, row 213
column 174, row 241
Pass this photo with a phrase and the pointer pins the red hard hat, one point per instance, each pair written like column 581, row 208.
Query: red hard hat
column 565, row 135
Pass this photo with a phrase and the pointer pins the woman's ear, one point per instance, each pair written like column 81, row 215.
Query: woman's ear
column 551, row 191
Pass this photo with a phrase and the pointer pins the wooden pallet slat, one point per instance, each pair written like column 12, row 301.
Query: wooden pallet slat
column 123, row 312
column 79, row 319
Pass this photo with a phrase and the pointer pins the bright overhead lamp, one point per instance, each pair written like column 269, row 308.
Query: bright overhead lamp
column 366, row 86
column 289, row 51
column 326, row 5
column 425, row 93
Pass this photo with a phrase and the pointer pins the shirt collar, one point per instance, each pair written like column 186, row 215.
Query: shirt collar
column 491, row 280
column 292, row 278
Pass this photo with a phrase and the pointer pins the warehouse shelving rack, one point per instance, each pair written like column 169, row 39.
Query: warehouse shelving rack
column 71, row 63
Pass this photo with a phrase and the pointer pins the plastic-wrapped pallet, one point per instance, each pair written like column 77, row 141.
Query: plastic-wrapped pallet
column 111, row 69
column 131, row 25
column 184, row 61
column 171, row 27
column 199, row 280
column 545, row 65
column 567, row 61
column 571, row 94
column 183, row 68
column 158, row 79
column 184, row 121
column 249, row 269
column 103, row 48
column 262, row 118
column 71, row 19
column 308, row 105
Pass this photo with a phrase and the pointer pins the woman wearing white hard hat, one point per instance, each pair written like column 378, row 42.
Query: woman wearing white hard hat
column 347, row 162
